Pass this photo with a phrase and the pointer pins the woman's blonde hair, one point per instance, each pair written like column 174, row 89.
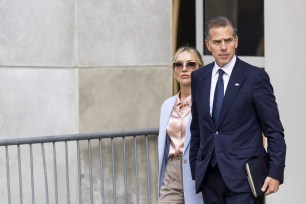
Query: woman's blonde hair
column 194, row 52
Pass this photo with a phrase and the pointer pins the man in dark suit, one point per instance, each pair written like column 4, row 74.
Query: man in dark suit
column 224, row 138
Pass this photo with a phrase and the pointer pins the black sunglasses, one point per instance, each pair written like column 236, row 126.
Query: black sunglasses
column 180, row 65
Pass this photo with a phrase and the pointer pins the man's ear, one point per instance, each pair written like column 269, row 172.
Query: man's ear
column 207, row 45
column 236, row 42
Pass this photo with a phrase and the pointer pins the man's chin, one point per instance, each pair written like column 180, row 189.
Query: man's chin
column 222, row 63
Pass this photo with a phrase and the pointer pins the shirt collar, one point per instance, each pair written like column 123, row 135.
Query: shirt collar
column 186, row 101
column 228, row 68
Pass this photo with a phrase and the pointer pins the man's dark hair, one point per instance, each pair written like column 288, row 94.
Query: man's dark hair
column 220, row 21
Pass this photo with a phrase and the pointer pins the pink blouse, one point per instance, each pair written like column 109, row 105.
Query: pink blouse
column 177, row 125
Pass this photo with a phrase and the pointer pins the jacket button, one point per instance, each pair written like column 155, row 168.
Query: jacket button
column 216, row 133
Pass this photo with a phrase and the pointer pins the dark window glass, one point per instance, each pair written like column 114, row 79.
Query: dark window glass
column 251, row 28
column 186, row 24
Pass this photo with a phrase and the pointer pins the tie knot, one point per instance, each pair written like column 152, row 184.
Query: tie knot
column 221, row 72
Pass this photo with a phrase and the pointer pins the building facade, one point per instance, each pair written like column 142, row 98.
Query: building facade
column 83, row 66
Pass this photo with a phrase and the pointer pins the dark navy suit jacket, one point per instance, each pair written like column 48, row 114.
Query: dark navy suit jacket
column 249, row 110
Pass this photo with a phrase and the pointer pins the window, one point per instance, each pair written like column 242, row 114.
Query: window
column 186, row 30
column 248, row 16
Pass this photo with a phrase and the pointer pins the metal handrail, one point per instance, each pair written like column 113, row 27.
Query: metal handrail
column 18, row 186
column 76, row 137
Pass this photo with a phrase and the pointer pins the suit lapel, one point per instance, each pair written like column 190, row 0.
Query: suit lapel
column 170, row 107
column 166, row 112
column 205, row 81
column 236, row 80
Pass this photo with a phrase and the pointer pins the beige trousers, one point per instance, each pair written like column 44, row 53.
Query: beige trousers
column 172, row 190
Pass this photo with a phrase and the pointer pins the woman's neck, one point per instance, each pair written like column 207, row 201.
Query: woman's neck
column 185, row 92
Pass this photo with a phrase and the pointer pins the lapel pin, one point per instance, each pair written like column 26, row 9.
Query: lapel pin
column 236, row 84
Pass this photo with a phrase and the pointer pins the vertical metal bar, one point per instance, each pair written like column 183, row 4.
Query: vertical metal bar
column 199, row 26
column 20, row 176
column 113, row 172
column 90, row 171
column 55, row 173
column 67, row 173
column 8, row 176
column 79, row 172
column 124, row 171
column 148, row 170
column 45, row 172
column 136, row 170
column 101, row 171
column 32, row 174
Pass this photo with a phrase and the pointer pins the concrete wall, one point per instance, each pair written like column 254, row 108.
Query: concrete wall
column 124, row 48
column 285, row 62
column 39, row 84
column 70, row 66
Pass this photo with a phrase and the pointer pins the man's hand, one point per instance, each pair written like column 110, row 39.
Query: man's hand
column 270, row 186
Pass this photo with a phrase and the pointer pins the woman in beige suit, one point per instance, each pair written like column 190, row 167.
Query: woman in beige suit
column 175, row 182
